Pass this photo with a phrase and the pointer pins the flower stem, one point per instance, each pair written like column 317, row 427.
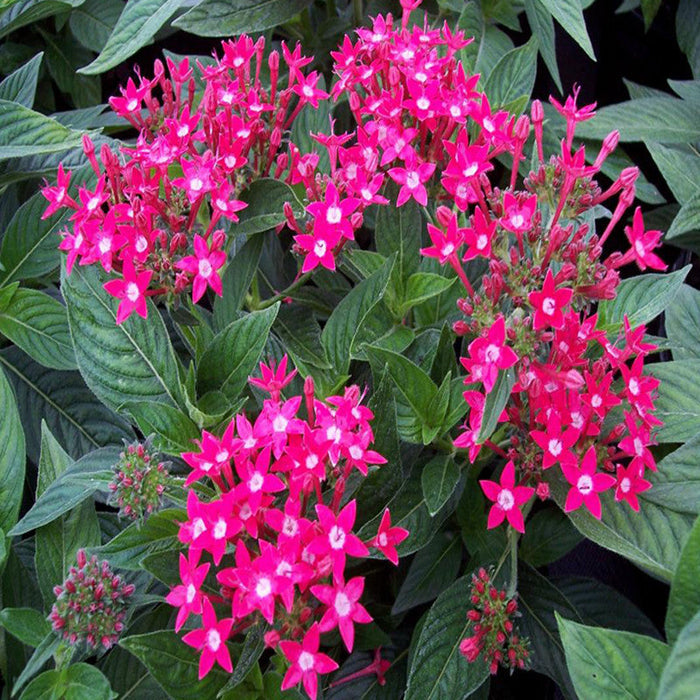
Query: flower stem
column 266, row 303
column 513, row 584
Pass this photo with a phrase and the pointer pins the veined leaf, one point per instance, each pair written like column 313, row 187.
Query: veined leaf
column 12, row 457
column 681, row 675
column 93, row 22
column 20, row 85
column 678, row 401
column 684, row 601
column 514, row 75
column 569, row 14
column 439, row 479
column 25, row 12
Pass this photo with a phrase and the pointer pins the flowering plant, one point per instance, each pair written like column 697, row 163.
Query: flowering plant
column 337, row 311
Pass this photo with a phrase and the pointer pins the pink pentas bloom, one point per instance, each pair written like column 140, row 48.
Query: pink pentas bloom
column 517, row 216
column 57, row 194
column 273, row 377
column 446, row 243
column 630, row 482
column 306, row 662
column 332, row 216
column 320, row 249
column 388, row 538
column 556, row 443
column 204, row 265
column 586, row 484
column 130, row 102
column 188, row 596
column 412, row 179
column 307, row 91
column 131, row 289
column 507, row 498
column 643, row 243
column 479, row 236
column 211, row 640
column 343, row 608
column 77, row 245
column 488, row 355
column 336, row 538
column 255, row 479
column 549, row 304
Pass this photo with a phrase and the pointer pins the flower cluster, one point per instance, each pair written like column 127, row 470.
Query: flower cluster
column 494, row 632
column 91, row 604
column 139, row 482
column 280, row 482
column 578, row 396
column 158, row 216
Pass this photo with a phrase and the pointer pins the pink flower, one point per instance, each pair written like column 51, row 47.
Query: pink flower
column 586, row 484
column 445, row 243
column 319, row 250
column 555, row 443
column 131, row 290
column 643, row 243
column 57, row 194
column 507, row 499
column 489, row 354
column 517, row 217
column 343, row 608
column 211, row 641
column 203, row 265
column 188, row 596
column 306, row 662
column 412, row 179
column 332, row 216
column 273, row 379
column 388, row 538
column 549, row 304
column 630, row 482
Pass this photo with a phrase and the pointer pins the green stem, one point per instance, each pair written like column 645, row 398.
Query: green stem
column 266, row 303
column 357, row 11
column 513, row 536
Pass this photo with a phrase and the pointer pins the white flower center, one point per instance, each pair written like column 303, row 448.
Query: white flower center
column 308, row 91
column 423, row 103
column 356, row 452
column 191, row 593
column 596, row 401
column 105, row 245
column 93, row 203
column 132, row 292
column 549, row 306
column 305, row 661
column 198, row 527
column 584, row 484
column 141, row 244
column 213, row 640
column 263, row 588
column 290, row 527
column 279, row 425
column 382, row 540
column 320, row 248
column 334, row 215
column 555, row 447
column 625, row 485
column 505, row 499
column 255, row 482
column 336, row 537
column 412, row 180
column 517, row 220
column 311, row 462
column 492, row 353
column 342, row 605
column 204, row 268
column 639, row 249
column 482, row 241
column 638, row 447
column 183, row 130
column 471, row 170
column 132, row 105
column 448, row 249
column 633, row 386
column 219, row 529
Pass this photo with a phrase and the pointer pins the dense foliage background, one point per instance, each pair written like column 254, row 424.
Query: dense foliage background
column 63, row 423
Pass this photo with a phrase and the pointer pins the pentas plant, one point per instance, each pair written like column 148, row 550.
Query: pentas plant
column 278, row 532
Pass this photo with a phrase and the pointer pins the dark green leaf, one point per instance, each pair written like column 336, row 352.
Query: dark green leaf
column 439, row 480
column 133, row 361
column 438, row 670
column 252, row 650
column 26, row 12
column 683, row 323
column 266, row 199
column 137, row 24
column 226, row 17
column 20, row 85
column 76, row 682
column 680, row 167
column 298, row 329
column 494, row 404
column 399, row 230
column 12, row 457
column 548, row 537
column 514, row 75
column 129, row 678
column 37, row 660
column 688, row 219
column 174, row 430
column 678, row 402
column 687, row 18
column 93, row 22
column 342, row 328
column 569, row 14
column 175, row 665
column 680, row 679
column 234, row 353
column 432, row 570
column 684, row 600
column 641, row 299
column 78, row 482
column 422, row 286
column 612, row 664
column 38, row 324
column 542, row 26
column 26, row 624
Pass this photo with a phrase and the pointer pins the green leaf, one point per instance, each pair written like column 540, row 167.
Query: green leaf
column 313, row 120
column 173, row 429
column 234, row 353
column 569, row 14
column 77, row 682
column 175, row 665
column 422, row 286
column 548, row 537
column 24, row 132
column 439, row 479
column 37, row 660
column 612, row 664
column 20, row 85
column 641, row 298
column 680, row 167
column 139, row 21
column 514, row 75
column 252, row 650
column 26, row 624
column 74, row 415
column 94, row 21
column 438, row 669
column 664, row 119
column 298, row 329
column 157, row 534
column 683, row 323
column 133, row 361
column 652, row 538
column 603, row 606
column 539, row 601
column 676, row 484
column 38, row 324
column 236, row 281
column 432, row 570
column 342, row 328
column 494, row 404
column 688, row 219
column 266, row 199
column 12, row 457
column 27, row 12
column 399, row 230
column 414, row 386
column 684, row 600
column 77, row 483
column 680, row 679
column 226, row 17
column 129, row 678
column 687, row 18
column 542, row 25
column 678, row 401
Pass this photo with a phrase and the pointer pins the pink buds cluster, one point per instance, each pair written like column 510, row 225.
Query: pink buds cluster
column 91, row 604
column 280, row 481
column 494, row 633
column 139, row 482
